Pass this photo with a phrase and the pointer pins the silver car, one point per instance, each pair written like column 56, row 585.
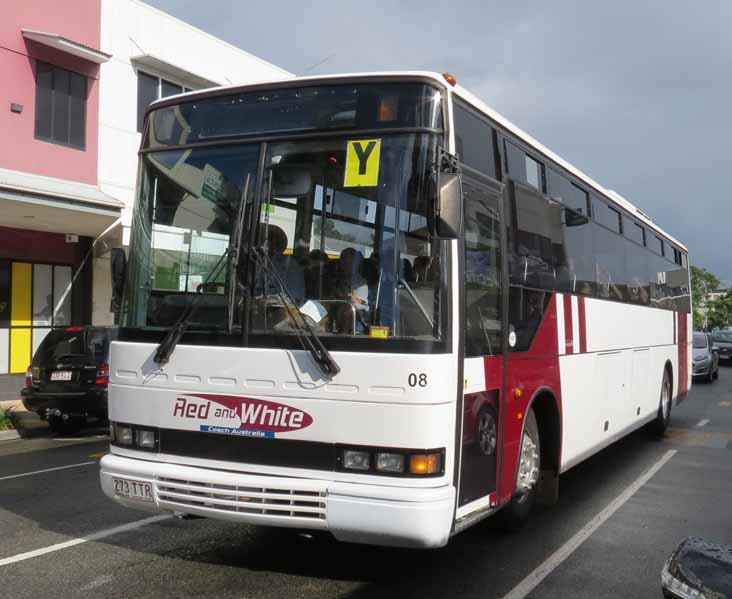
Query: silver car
column 706, row 358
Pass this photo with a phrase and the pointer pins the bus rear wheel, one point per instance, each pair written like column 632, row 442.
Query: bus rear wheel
column 660, row 424
column 516, row 513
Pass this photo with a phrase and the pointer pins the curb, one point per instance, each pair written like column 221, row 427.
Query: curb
column 10, row 435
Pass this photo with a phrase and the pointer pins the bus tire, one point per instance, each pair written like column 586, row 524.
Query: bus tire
column 516, row 513
column 660, row 424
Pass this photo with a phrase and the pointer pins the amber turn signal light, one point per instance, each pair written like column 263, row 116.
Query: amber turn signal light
column 425, row 463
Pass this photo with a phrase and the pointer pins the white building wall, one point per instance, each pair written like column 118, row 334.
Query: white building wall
column 130, row 29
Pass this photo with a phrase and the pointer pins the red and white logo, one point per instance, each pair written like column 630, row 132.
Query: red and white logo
column 245, row 413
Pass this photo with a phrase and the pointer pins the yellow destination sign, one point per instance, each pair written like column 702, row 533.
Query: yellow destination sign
column 362, row 163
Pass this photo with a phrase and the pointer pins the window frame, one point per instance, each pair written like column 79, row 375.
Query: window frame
column 52, row 107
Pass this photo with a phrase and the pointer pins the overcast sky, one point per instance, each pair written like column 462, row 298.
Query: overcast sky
column 635, row 94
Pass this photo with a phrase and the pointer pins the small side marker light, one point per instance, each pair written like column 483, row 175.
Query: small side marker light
column 519, row 416
column 517, row 393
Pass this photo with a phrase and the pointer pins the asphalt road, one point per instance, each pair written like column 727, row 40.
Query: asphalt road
column 615, row 552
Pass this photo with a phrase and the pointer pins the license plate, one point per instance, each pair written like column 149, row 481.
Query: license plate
column 61, row 375
column 133, row 489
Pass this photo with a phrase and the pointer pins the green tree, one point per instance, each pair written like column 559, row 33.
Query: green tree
column 720, row 312
column 703, row 282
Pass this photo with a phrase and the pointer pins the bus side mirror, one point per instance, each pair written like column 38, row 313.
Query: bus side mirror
column 449, row 208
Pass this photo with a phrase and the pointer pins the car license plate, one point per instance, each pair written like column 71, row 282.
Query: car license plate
column 61, row 375
column 133, row 489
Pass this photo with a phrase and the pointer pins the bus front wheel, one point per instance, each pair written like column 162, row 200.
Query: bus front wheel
column 515, row 514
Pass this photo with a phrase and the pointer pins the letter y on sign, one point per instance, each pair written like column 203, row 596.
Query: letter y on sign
column 362, row 163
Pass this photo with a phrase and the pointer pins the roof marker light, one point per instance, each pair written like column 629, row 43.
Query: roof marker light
column 450, row 78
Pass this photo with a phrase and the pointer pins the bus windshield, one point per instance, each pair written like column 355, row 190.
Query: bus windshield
column 343, row 221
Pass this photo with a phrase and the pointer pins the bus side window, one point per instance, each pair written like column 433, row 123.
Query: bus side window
column 482, row 269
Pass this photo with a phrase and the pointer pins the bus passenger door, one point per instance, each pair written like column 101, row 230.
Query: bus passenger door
column 483, row 334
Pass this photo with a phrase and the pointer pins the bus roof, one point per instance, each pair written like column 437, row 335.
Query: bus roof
column 460, row 91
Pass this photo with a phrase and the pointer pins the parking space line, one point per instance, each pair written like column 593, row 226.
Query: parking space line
column 47, row 470
column 528, row 584
column 703, row 422
column 102, row 534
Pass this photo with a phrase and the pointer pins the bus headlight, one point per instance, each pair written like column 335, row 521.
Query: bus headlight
column 123, row 434
column 390, row 462
column 356, row 460
column 131, row 435
column 145, row 438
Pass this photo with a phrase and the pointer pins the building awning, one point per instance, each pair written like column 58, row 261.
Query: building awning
column 162, row 67
column 64, row 44
column 41, row 203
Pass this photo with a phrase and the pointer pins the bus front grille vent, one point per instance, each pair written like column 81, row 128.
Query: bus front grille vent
column 283, row 503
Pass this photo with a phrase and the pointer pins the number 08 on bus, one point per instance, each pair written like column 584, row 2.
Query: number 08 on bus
column 371, row 305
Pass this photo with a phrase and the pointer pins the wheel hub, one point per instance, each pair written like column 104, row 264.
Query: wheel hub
column 487, row 437
column 528, row 471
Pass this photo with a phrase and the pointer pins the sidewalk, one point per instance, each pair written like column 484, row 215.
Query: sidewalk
column 10, row 386
column 27, row 424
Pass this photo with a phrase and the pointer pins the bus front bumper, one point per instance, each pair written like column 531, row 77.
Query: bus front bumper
column 359, row 513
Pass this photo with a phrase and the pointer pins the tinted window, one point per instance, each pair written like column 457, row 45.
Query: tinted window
column 301, row 109
column 658, row 278
column 534, row 232
column 522, row 167
column 635, row 232
column 60, row 343
column 658, row 246
column 482, row 270
column 474, row 141
column 147, row 92
column 576, row 254
column 610, row 258
column 60, row 106
column 636, row 270
column 564, row 191
column 526, row 309
column 605, row 215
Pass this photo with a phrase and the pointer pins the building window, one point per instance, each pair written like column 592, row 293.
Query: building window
column 60, row 106
column 151, row 88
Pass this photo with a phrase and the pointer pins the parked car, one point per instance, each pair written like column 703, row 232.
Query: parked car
column 698, row 568
column 67, row 380
column 723, row 340
column 706, row 358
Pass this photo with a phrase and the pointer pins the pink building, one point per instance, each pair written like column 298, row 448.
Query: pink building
column 49, row 106
column 76, row 76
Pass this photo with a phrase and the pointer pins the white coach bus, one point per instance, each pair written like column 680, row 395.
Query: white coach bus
column 370, row 305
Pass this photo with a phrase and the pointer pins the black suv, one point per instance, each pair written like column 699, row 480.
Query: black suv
column 67, row 380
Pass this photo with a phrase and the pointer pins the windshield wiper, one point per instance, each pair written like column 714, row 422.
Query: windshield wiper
column 172, row 337
column 411, row 293
column 235, row 253
column 308, row 337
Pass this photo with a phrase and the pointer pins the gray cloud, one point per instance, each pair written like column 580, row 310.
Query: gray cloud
column 636, row 94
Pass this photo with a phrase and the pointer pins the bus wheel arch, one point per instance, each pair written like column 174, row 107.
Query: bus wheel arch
column 541, row 419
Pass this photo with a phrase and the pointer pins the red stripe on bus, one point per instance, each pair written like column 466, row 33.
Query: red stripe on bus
column 683, row 355
column 582, row 324
column 674, row 328
column 568, row 342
